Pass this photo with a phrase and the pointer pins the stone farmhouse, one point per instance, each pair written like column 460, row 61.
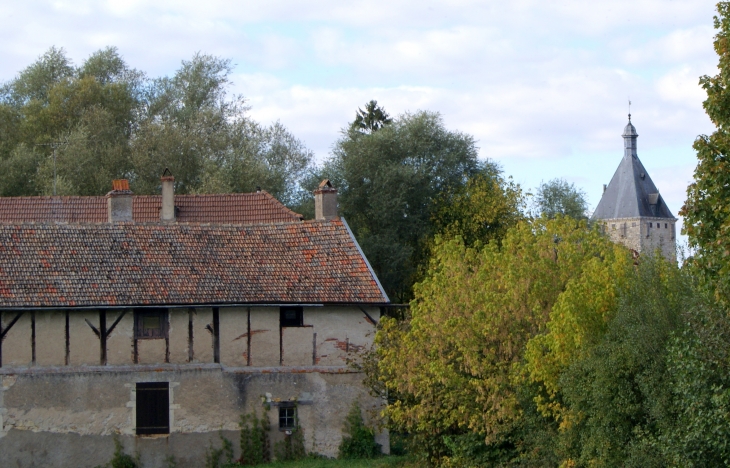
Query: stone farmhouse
column 631, row 209
column 160, row 320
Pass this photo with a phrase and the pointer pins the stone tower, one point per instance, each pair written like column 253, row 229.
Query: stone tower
column 631, row 209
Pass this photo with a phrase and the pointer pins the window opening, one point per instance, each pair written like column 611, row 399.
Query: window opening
column 153, row 408
column 650, row 225
column 291, row 317
column 287, row 417
column 665, row 225
column 150, row 323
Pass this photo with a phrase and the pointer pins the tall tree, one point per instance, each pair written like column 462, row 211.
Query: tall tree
column 706, row 211
column 390, row 182
column 558, row 197
column 372, row 119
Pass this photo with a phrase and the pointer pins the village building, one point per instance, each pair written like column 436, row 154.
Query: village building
column 632, row 210
column 161, row 320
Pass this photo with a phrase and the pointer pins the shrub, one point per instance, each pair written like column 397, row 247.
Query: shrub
column 361, row 441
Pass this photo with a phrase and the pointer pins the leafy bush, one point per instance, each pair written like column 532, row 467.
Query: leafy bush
column 255, row 446
column 361, row 441
column 292, row 447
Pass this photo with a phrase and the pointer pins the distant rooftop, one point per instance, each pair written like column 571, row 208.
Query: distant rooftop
column 232, row 208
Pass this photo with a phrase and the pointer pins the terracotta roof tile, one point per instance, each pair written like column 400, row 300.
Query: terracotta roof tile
column 233, row 208
column 74, row 265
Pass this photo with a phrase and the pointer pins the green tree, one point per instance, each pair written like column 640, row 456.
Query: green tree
column 389, row 184
column 707, row 208
column 558, row 197
column 454, row 367
column 370, row 120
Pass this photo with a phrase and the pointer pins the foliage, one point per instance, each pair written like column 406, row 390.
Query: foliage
column 121, row 459
column 370, row 120
column 70, row 130
column 360, row 442
column 291, row 447
column 454, row 364
column 213, row 456
column 255, row 446
column 389, row 182
column 706, row 211
column 558, row 197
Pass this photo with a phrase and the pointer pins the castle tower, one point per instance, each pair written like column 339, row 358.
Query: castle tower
column 632, row 210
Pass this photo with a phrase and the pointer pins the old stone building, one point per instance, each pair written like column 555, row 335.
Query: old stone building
column 632, row 210
column 161, row 320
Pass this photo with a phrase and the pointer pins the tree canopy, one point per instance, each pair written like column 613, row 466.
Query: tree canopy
column 393, row 182
column 71, row 130
column 558, row 197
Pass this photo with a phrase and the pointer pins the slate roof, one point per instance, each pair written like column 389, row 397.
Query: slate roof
column 233, row 208
column 631, row 192
column 128, row 264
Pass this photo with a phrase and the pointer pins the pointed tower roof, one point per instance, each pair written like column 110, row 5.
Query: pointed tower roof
column 631, row 192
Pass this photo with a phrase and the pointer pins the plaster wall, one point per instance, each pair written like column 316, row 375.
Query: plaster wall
column 265, row 336
column 234, row 336
column 179, row 320
column 17, row 342
column 50, row 337
column 84, row 347
column 202, row 337
column 341, row 331
column 119, row 345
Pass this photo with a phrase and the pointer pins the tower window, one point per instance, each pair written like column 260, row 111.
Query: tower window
column 649, row 224
column 153, row 408
column 665, row 225
column 613, row 226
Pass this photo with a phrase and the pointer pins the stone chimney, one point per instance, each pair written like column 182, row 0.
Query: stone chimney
column 167, row 212
column 119, row 202
column 325, row 201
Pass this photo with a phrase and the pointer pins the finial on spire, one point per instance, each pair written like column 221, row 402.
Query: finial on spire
column 629, row 110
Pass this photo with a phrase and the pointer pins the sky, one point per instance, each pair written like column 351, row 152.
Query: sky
column 542, row 86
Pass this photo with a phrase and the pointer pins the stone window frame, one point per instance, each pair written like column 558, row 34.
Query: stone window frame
column 162, row 424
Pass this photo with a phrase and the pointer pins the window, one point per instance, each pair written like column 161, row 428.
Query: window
column 153, row 408
column 287, row 416
column 649, row 224
column 665, row 225
column 150, row 323
column 613, row 226
column 291, row 317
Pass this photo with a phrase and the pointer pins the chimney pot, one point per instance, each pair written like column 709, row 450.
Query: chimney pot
column 119, row 202
column 325, row 201
column 167, row 212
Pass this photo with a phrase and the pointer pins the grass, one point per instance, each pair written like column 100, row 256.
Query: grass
column 384, row 462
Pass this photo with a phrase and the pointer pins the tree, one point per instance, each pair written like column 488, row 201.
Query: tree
column 370, row 120
column 71, row 130
column 389, row 184
column 706, row 211
column 558, row 197
column 454, row 367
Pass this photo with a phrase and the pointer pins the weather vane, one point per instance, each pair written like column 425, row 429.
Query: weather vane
column 629, row 109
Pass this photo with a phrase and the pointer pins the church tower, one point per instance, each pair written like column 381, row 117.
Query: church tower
column 631, row 209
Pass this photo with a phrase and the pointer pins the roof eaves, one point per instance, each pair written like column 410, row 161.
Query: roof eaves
column 354, row 241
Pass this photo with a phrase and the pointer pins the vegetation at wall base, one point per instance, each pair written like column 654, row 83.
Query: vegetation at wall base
column 359, row 442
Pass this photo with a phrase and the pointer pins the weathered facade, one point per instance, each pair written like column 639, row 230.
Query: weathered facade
column 164, row 334
column 632, row 211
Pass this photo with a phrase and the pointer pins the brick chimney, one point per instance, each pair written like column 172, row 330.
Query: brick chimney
column 119, row 202
column 325, row 201
column 167, row 212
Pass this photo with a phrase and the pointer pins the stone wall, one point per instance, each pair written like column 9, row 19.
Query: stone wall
column 70, row 418
column 644, row 235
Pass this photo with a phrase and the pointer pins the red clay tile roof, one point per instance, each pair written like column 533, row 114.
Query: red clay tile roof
column 233, row 208
column 74, row 265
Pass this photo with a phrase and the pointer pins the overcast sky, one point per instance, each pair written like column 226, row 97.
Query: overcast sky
column 543, row 86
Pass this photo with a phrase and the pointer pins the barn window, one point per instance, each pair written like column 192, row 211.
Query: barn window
column 153, row 408
column 291, row 317
column 287, row 416
column 150, row 323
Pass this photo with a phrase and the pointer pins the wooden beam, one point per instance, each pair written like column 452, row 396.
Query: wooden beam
column 4, row 331
column 111, row 329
